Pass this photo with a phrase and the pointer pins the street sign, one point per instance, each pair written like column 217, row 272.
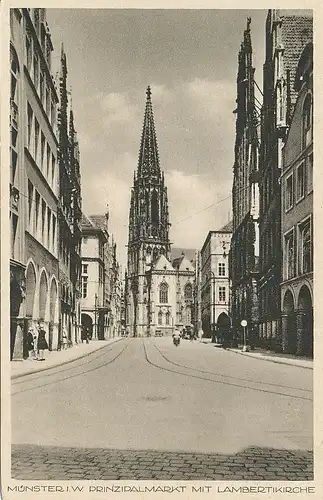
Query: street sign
column 243, row 323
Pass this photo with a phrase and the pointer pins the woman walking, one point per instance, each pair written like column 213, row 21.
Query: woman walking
column 41, row 343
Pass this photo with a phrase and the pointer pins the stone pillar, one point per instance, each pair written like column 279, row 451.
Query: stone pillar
column 284, row 332
column 300, row 329
column 17, row 325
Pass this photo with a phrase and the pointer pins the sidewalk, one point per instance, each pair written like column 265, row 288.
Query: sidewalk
column 274, row 357
column 56, row 358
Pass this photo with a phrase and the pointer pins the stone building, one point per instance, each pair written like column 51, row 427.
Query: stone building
column 70, row 214
column 148, row 227
column 94, row 310
column 159, row 294
column 297, row 216
column 215, row 284
column 286, row 36
column 244, row 253
column 101, row 279
column 34, row 183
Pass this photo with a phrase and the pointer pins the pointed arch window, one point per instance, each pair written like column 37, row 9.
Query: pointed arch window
column 188, row 291
column 154, row 209
column 167, row 318
column 163, row 293
column 160, row 318
column 307, row 120
column 306, row 248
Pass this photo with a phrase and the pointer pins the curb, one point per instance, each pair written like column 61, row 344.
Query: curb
column 19, row 375
column 272, row 360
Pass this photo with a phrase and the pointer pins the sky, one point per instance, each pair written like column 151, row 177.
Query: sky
column 189, row 58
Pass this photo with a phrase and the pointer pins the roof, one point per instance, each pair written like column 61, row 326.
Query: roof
column 183, row 264
column 228, row 228
column 86, row 223
column 296, row 33
column 163, row 264
column 176, row 253
column 99, row 221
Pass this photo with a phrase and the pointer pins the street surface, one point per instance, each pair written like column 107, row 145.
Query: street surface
column 144, row 409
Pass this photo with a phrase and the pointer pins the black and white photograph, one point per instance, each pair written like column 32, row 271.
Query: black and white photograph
column 160, row 258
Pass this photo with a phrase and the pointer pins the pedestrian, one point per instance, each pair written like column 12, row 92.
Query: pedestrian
column 64, row 340
column 41, row 343
column 30, row 343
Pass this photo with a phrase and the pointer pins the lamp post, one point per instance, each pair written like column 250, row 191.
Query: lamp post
column 95, row 316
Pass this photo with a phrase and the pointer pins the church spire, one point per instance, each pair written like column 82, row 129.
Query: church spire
column 148, row 164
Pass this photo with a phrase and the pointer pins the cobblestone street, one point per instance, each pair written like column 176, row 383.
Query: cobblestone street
column 192, row 412
column 36, row 462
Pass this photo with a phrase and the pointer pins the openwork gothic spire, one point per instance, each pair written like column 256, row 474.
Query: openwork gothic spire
column 148, row 164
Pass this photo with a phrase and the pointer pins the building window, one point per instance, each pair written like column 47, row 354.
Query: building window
column 167, row 318
column 36, row 72
column 160, row 318
column 48, row 153
column 49, row 220
column 290, row 255
column 306, row 248
column 30, row 202
column 221, row 293
column 221, row 268
column 300, row 182
column 310, row 173
column 29, row 124
column 85, row 268
column 307, row 120
column 84, row 286
column 43, row 221
column 42, row 150
column 54, row 233
column 163, row 293
column 36, row 140
column 37, row 203
column 188, row 291
column 42, row 87
column 289, row 193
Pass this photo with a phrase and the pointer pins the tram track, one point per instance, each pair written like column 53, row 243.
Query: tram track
column 61, row 379
column 221, row 382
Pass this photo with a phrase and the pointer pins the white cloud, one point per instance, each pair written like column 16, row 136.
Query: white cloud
column 118, row 108
column 189, row 195
column 212, row 98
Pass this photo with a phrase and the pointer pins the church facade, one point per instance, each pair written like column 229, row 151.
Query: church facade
column 158, row 293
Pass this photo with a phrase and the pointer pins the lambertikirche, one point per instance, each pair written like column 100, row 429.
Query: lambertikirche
column 159, row 293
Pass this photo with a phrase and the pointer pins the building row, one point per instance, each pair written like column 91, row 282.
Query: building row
column 271, row 257
column 45, row 192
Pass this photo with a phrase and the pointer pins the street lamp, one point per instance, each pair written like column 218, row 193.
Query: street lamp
column 95, row 316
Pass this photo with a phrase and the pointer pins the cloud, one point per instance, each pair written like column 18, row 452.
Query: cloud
column 189, row 196
column 212, row 98
column 117, row 108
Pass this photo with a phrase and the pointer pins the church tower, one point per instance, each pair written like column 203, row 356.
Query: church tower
column 148, row 227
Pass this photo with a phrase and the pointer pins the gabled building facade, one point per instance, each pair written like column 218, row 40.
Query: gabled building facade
column 244, row 252
column 286, row 37
column 297, row 216
column 215, row 285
